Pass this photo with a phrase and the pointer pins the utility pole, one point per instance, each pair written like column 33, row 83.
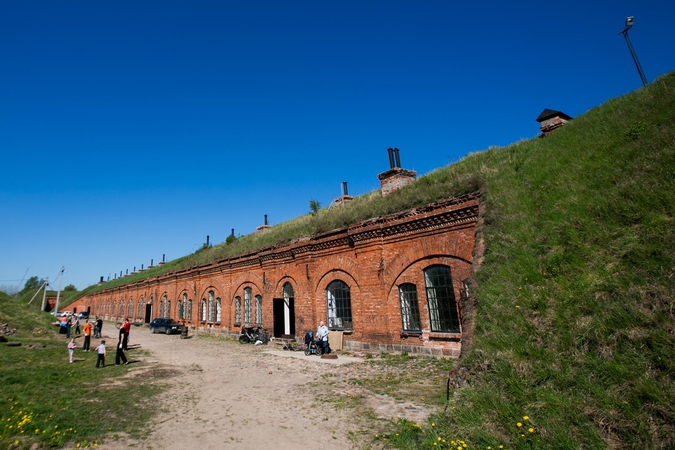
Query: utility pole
column 629, row 23
column 58, row 293
column 44, row 296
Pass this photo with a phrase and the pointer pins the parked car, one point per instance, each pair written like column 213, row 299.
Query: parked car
column 167, row 326
column 83, row 315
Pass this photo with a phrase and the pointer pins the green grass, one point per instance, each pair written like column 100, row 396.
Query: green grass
column 47, row 402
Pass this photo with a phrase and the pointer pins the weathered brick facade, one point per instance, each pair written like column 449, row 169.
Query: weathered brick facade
column 373, row 259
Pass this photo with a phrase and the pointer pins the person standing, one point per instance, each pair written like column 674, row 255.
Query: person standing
column 100, row 350
column 69, row 324
column 71, row 349
column 77, row 326
column 322, row 337
column 119, row 355
column 98, row 328
column 87, row 335
column 127, row 329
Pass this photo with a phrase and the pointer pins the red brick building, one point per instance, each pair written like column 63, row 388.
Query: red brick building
column 395, row 283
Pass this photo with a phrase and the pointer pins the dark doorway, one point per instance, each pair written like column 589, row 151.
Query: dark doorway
column 148, row 313
column 284, row 317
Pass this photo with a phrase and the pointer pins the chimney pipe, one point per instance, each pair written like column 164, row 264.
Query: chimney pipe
column 134, row 268
column 398, row 160
column 207, row 240
column 142, row 267
column 101, row 280
column 163, row 256
column 391, row 157
column 344, row 188
column 232, row 232
column 265, row 219
column 152, row 262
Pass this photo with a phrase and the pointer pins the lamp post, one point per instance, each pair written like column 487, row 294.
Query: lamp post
column 629, row 24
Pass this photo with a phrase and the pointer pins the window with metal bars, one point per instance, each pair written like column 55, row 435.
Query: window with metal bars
column 218, row 310
column 410, row 310
column 212, row 307
column 339, row 305
column 202, row 310
column 443, row 313
column 248, row 307
column 237, row 310
column 258, row 310
column 189, row 310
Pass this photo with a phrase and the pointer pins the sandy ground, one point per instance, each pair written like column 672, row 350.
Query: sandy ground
column 227, row 395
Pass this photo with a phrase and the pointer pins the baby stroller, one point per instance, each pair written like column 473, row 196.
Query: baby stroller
column 312, row 346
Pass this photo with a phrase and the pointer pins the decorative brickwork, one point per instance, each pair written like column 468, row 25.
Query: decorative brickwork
column 371, row 259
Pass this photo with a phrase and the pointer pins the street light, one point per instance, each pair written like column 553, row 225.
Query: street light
column 629, row 23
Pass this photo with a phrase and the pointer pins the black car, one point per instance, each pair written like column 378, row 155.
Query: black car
column 167, row 326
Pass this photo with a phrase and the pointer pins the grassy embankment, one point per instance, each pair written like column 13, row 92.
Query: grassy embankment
column 47, row 402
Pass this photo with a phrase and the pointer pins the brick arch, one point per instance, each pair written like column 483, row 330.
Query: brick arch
column 341, row 264
column 280, row 284
column 246, row 278
column 333, row 275
column 403, row 260
column 400, row 277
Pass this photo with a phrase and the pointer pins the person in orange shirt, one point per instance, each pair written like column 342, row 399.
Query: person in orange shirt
column 87, row 335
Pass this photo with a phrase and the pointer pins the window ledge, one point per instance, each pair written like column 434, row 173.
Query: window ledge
column 236, row 324
column 411, row 333
column 344, row 330
column 445, row 336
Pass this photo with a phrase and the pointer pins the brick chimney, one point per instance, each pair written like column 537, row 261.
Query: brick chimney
column 264, row 226
column 395, row 178
column 345, row 197
column 551, row 120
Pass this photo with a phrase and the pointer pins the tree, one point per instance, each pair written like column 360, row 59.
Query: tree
column 70, row 287
column 314, row 206
column 31, row 283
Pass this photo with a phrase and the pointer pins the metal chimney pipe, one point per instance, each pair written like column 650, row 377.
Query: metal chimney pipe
column 101, row 280
column 398, row 160
column 344, row 188
column 142, row 267
column 391, row 157
column 265, row 219
column 207, row 240
column 134, row 268
column 152, row 262
column 163, row 256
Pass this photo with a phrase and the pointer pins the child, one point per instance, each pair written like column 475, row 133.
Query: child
column 71, row 349
column 101, row 354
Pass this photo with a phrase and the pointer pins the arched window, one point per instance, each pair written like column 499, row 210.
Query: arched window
column 202, row 310
column 168, row 309
column 113, row 309
column 287, row 291
column 130, row 311
column 212, row 307
column 165, row 307
column 139, row 313
column 237, row 310
column 248, row 309
column 219, row 310
column 339, row 305
column 258, row 310
column 443, row 312
column 410, row 310
column 189, row 311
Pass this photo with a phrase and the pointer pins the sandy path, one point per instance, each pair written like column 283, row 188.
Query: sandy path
column 227, row 395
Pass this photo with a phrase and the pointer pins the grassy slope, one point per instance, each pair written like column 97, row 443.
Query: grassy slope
column 574, row 306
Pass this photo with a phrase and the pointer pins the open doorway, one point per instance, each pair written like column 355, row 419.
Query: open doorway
column 284, row 317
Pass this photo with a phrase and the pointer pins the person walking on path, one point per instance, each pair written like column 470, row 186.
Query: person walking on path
column 69, row 324
column 322, row 336
column 127, row 329
column 87, row 335
column 100, row 350
column 71, row 349
column 77, row 326
column 119, row 355
column 98, row 328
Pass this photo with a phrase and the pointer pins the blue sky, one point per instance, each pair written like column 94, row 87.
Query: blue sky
column 133, row 129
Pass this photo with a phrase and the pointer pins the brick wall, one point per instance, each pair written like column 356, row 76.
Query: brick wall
column 373, row 258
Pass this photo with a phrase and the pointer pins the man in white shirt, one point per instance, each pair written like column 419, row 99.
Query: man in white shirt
column 322, row 337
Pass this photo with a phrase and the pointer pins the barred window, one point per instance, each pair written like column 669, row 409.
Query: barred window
column 212, row 307
column 441, row 299
column 339, row 305
column 189, row 311
column 140, row 309
column 219, row 310
column 130, row 312
column 258, row 310
column 410, row 310
column 237, row 310
column 165, row 311
column 202, row 310
column 248, row 307
column 120, row 312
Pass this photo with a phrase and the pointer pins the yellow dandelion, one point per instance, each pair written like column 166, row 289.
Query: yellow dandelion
column 501, row 446
column 439, row 438
column 396, row 434
column 522, row 435
column 525, row 417
column 531, row 430
column 519, row 424
column 433, row 424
